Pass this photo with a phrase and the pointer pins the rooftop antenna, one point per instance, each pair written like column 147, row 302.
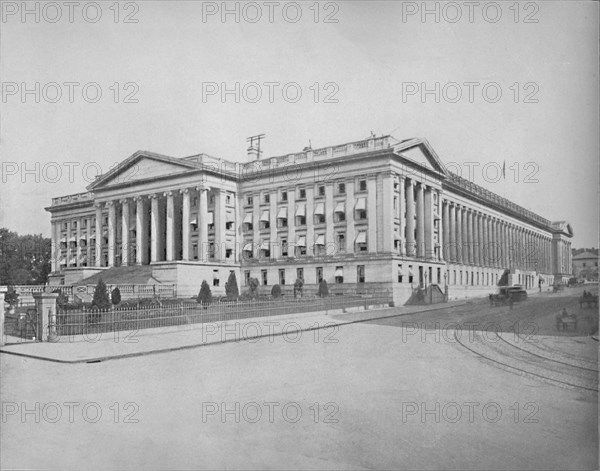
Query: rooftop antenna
column 309, row 147
column 257, row 139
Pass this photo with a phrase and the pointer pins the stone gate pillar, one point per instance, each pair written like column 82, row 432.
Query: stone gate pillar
column 45, row 304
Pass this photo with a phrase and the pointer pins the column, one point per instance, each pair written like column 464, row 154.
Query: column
column 350, row 202
column 387, row 202
column 256, row 213
column 452, row 232
column 493, row 243
column 170, row 233
column 485, row 259
column 459, row 235
column 185, row 224
column 99, row 235
column 470, row 238
column 55, row 251
column 420, row 221
column 445, row 241
column 480, row 261
column 88, row 242
column 140, row 231
column 402, row 213
column 291, row 240
column 330, row 247
column 78, row 243
column 68, row 237
column 154, row 228
column 310, row 220
column 274, row 244
column 505, row 246
column 203, row 223
column 372, row 213
column 428, row 223
column 124, row 232
column 410, row 218
column 112, row 227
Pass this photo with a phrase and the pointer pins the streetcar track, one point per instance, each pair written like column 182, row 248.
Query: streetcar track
column 595, row 370
column 521, row 370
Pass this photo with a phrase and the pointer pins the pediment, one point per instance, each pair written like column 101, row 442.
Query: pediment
column 420, row 152
column 142, row 166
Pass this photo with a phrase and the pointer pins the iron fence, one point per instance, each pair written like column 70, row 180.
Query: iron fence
column 86, row 321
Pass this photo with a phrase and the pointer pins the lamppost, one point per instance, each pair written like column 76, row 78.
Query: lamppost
column 446, row 285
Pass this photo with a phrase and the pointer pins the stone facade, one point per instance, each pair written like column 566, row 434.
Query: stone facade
column 377, row 212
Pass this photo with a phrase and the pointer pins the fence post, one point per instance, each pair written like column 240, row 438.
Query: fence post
column 3, row 289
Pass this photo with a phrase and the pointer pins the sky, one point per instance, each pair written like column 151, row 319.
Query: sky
column 505, row 83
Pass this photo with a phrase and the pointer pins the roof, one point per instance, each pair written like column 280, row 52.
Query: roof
column 584, row 256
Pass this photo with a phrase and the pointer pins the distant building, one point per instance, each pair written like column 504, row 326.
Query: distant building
column 585, row 266
column 378, row 213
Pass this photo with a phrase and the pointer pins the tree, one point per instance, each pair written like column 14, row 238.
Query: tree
column 11, row 297
column 298, row 287
column 101, row 299
column 253, row 285
column 62, row 299
column 323, row 291
column 276, row 291
column 503, row 281
column 24, row 260
column 231, row 287
column 204, row 296
column 115, row 296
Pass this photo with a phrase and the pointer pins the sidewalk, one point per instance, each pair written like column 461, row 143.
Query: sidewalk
column 125, row 344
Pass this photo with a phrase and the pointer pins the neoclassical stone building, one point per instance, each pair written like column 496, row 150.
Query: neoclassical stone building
column 376, row 212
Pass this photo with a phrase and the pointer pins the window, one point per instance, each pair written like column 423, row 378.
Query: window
column 400, row 273
column 211, row 200
column 339, row 217
column 300, row 273
column 248, row 226
column 322, row 190
column 302, row 193
column 228, row 199
column 360, row 273
column 195, row 201
column 284, row 248
column 228, row 253
column 211, row 251
column 229, row 225
column 341, row 188
column 247, row 277
column 195, row 251
column 301, row 220
column 266, row 198
column 284, row 196
column 216, row 280
column 584, row 264
column 439, row 276
column 249, row 201
column 362, row 214
column 411, row 276
column 265, row 224
column 395, row 202
column 282, row 276
column 319, row 219
column 263, row 274
column 341, row 242
column 300, row 251
column 319, row 273
column 339, row 275
column 362, row 185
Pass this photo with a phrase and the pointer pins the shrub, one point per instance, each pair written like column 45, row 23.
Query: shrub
column 115, row 296
column 62, row 300
column 323, row 291
column 276, row 291
column 101, row 299
column 204, row 296
column 231, row 287
column 253, row 285
column 298, row 287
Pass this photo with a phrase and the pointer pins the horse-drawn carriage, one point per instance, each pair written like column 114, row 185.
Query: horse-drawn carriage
column 588, row 299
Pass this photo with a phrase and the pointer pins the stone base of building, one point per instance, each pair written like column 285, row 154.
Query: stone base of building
column 71, row 276
column 188, row 276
